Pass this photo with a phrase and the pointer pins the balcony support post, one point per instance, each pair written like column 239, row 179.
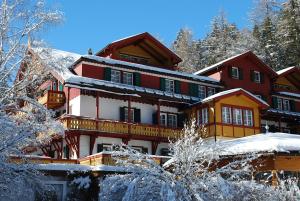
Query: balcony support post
column 158, row 116
column 92, row 143
column 154, row 147
column 68, row 100
column 97, row 105
column 129, row 116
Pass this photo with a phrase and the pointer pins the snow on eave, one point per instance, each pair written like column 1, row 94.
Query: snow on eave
column 289, row 94
column 297, row 114
column 63, row 167
column 261, row 143
column 206, row 69
column 149, row 68
column 217, row 95
column 284, row 70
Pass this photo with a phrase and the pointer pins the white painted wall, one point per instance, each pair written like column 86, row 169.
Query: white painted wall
column 88, row 106
column 75, row 106
column 84, row 146
column 283, row 124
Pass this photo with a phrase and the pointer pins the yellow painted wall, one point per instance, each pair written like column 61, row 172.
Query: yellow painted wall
column 231, row 131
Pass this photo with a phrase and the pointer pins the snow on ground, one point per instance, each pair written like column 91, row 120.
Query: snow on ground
column 270, row 142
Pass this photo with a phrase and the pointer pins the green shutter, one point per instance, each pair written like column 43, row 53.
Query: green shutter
column 122, row 113
column 162, row 84
column 99, row 148
column 240, row 74
column 137, row 79
column 193, row 89
column 154, row 118
column 292, row 105
column 262, row 79
column 107, row 74
column 61, row 86
column 177, row 87
column 137, row 115
column 252, row 75
column 274, row 102
column 229, row 72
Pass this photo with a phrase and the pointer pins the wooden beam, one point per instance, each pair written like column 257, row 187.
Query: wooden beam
column 92, row 143
column 154, row 145
column 97, row 105
column 68, row 100
column 158, row 58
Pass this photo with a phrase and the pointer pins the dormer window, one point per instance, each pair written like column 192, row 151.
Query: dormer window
column 202, row 92
column 235, row 72
column 116, row 76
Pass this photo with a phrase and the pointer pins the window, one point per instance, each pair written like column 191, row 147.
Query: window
column 286, row 105
column 163, row 119
column 116, row 76
column 172, row 120
column 226, row 115
column 257, row 77
column 279, row 103
column 248, row 118
column 170, row 85
column 201, row 91
column 203, row 116
column 127, row 78
column 131, row 114
column 135, row 59
column 235, row 72
column 210, row 91
column 237, row 116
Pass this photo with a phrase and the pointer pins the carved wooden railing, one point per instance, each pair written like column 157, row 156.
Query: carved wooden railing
column 53, row 99
column 110, row 126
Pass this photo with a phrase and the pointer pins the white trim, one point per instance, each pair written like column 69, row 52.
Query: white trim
column 238, row 72
column 259, row 76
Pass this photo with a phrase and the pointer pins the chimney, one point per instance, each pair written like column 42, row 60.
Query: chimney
column 90, row 51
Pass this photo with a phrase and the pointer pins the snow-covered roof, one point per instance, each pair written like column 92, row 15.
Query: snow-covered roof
column 206, row 69
column 57, row 60
column 290, row 113
column 79, row 167
column 90, row 83
column 157, row 70
column 210, row 98
column 284, row 70
column 289, row 94
column 270, row 142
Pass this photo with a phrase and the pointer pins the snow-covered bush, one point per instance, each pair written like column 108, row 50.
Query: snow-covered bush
column 191, row 174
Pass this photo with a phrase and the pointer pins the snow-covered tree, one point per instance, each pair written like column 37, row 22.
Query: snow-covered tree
column 31, row 124
column 189, row 175
column 186, row 48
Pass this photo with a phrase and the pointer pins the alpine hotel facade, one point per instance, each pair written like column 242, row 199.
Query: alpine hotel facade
column 131, row 92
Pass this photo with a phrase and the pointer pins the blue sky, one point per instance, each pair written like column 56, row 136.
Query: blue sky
column 95, row 23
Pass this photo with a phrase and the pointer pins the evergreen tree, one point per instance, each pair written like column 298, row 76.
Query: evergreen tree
column 184, row 47
column 289, row 32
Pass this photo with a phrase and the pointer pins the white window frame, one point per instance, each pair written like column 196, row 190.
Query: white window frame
column 201, row 91
column 235, row 69
column 257, row 77
column 286, row 105
column 248, row 117
column 128, row 78
column 63, row 183
column 237, row 116
column 116, row 76
column 204, row 115
column 210, row 91
column 172, row 122
column 170, row 85
column 164, row 120
column 279, row 104
column 126, row 114
column 226, row 115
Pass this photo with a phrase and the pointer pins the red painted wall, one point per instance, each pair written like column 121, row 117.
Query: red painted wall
column 92, row 71
column 247, row 65
column 184, row 87
column 149, row 81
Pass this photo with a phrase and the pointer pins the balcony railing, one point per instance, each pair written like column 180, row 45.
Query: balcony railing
column 53, row 99
column 110, row 126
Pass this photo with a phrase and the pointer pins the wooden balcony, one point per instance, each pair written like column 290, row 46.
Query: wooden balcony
column 116, row 127
column 53, row 99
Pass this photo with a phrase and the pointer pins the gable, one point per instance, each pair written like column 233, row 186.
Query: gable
column 143, row 49
column 283, row 81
